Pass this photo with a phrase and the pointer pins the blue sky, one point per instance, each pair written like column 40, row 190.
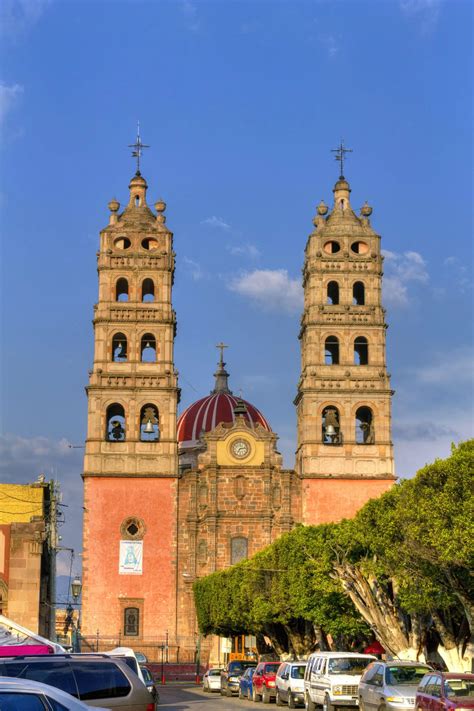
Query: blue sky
column 241, row 103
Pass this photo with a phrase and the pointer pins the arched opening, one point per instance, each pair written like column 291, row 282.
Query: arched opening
column 119, row 348
column 148, row 290
column 121, row 289
column 331, row 428
column 150, row 243
column 364, row 426
column 331, row 350
column 239, row 549
column 148, row 348
column 358, row 293
column 149, row 423
column 332, row 247
column 122, row 243
column 333, row 293
column 137, row 200
column 360, row 247
column 361, row 351
column 115, row 423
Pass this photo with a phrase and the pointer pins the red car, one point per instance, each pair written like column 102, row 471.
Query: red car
column 443, row 691
column 263, row 682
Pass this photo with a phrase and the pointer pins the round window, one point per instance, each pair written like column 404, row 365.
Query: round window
column 150, row 243
column 332, row 247
column 360, row 247
column 122, row 243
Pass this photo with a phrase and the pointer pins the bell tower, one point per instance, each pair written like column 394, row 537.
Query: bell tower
column 130, row 465
column 344, row 452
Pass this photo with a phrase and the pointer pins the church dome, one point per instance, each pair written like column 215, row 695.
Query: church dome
column 220, row 406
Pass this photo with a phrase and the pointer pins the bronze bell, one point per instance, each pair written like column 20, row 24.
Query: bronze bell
column 122, row 353
column 149, row 428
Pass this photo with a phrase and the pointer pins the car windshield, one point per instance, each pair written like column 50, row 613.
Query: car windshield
column 214, row 672
column 146, row 674
column 297, row 672
column 239, row 667
column 348, row 665
column 271, row 668
column 405, row 675
column 459, row 687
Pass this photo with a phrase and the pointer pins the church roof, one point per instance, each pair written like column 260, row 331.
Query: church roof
column 218, row 407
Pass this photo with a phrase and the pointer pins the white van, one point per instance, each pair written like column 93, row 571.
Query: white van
column 332, row 679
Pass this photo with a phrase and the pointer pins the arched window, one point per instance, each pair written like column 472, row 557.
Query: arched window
column 148, row 348
column 364, row 426
column 131, row 622
column 331, row 350
column 121, row 290
column 331, row 428
column 148, row 290
column 119, row 348
column 239, row 549
column 333, row 293
column 358, row 294
column 115, row 423
column 361, row 351
column 149, row 423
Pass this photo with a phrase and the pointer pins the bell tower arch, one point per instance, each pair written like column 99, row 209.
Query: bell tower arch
column 130, row 465
column 344, row 452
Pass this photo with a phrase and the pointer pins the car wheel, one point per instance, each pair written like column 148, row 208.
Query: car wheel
column 327, row 705
column 361, row 705
column 308, row 704
column 291, row 701
column 278, row 700
column 204, row 688
column 265, row 696
column 249, row 694
column 255, row 696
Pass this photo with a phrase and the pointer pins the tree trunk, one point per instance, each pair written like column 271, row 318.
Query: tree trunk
column 301, row 637
column 451, row 649
column 278, row 637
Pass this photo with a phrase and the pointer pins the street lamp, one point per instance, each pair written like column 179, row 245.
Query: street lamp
column 76, row 588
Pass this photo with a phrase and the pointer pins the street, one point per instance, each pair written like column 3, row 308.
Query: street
column 182, row 698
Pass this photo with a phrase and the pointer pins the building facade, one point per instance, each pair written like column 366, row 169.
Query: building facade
column 168, row 500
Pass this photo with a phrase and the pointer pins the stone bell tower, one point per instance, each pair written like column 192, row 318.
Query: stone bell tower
column 344, row 452
column 130, row 466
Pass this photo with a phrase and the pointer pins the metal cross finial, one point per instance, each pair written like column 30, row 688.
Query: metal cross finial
column 221, row 346
column 138, row 146
column 340, row 152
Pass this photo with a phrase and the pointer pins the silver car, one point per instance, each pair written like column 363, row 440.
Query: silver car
column 390, row 686
column 19, row 694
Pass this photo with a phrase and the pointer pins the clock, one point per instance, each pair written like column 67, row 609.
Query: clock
column 240, row 448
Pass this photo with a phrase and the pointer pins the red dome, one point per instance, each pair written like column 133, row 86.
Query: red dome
column 207, row 413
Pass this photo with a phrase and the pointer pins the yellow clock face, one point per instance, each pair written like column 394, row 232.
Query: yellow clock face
column 240, row 448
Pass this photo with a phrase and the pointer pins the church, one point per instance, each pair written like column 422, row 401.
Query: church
column 168, row 498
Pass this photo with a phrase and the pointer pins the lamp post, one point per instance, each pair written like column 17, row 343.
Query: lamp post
column 76, row 589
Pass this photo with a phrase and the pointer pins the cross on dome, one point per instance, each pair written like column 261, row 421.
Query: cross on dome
column 138, row 147
column 340, row 152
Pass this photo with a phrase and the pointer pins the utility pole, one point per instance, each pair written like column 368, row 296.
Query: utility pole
column 53, row 547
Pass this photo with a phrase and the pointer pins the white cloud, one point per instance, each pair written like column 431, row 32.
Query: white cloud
column 400, row 270
column 272, row 289
column 331, row 44
column 17, row 16
column 9, row 96
column 244, row 250
column 190, row 13
column 15, row 449
column 459, row 274
column 424, row 12
column 216, row 222
column 194, row 268
column 454, row 367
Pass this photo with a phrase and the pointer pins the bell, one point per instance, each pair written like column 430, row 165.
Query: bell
column 149, row 428
column 330, row 431
column 122, row 353
column 148, row 344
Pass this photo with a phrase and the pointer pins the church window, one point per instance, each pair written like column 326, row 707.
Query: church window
column 119, row 348
column 331, row 350
column 132, row 529
column 332, row 247
column 115, row 417
column 360, row 247
column 239, row 549
column 121, row 290
column 361, row 351
column 148, row 348
column 364, row 426
column 149, row 243
column 137, row 200
column 122, row 243
column 149, row 423
column 333, row 292
column 148, row 290
column 331, row 428
column 358, row 293
column 131, row 621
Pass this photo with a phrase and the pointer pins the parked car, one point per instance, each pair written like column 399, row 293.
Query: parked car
column 245, row 684
column 99, row 680
column 211, row 681
column 332, row 679
column 130, row 657
column 390, row 685
column 230, row 676
column 263, row 682
column 27, row 695
column 443, row 691
column 150, row 683
column 289, row 684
